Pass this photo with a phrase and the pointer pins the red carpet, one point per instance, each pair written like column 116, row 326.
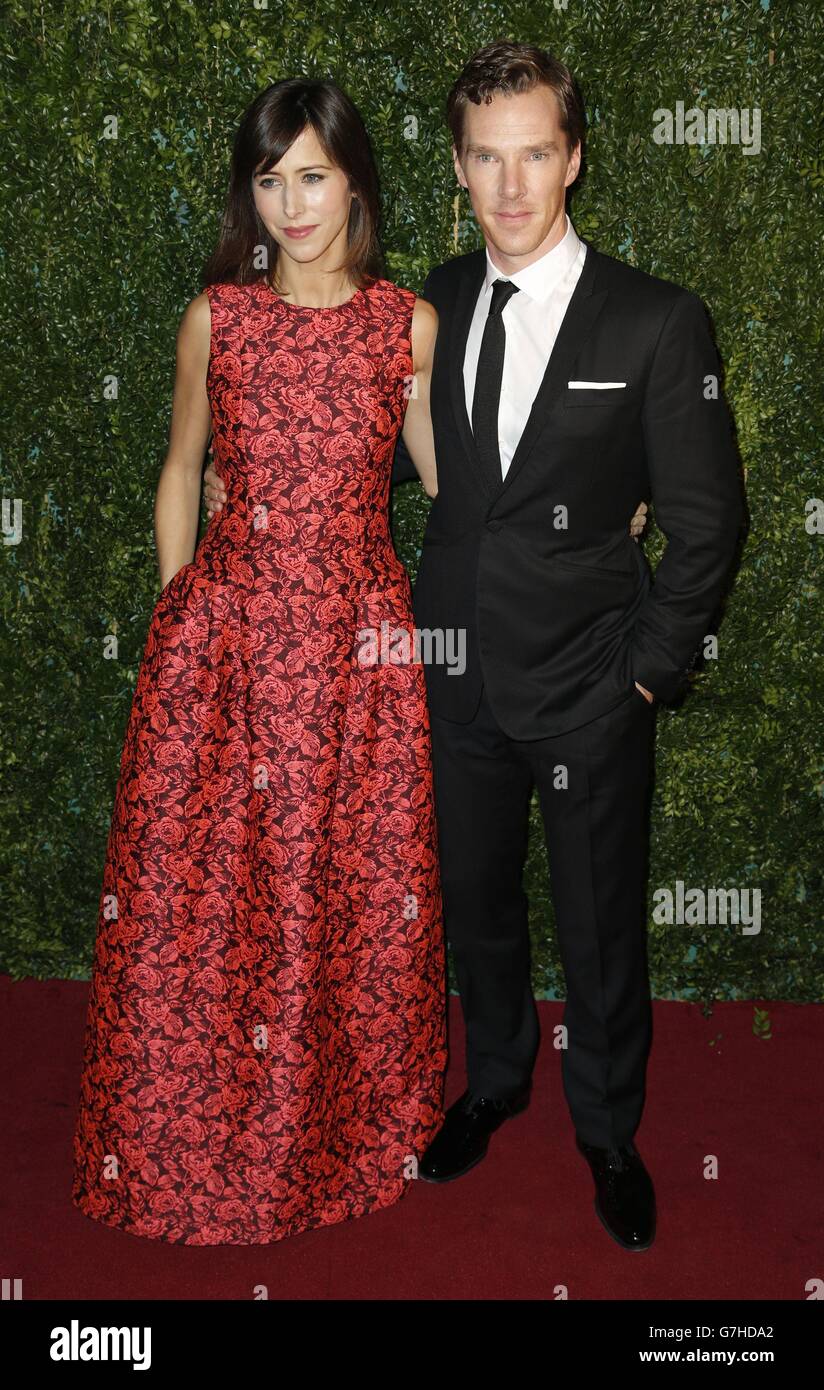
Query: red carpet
column 517, row 1227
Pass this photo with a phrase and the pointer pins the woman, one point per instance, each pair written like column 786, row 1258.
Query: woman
column 265, row 1044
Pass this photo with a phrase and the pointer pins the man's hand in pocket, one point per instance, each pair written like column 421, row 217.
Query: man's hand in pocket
column 638, row 521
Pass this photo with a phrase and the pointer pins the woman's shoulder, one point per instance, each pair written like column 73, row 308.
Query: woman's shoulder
column 195, row 324
column 386, row 291
column 404, row 307
column 231, row 304
column 416, row 313
column 227, row 292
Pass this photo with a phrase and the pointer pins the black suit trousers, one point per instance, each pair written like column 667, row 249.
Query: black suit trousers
column 593, row 785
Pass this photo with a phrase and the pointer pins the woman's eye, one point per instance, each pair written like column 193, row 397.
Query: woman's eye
column 270, row 182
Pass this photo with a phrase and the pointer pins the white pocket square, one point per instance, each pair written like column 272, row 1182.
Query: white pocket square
column 595, row 385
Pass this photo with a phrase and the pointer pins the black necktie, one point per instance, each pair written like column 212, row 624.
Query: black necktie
column 487, row 397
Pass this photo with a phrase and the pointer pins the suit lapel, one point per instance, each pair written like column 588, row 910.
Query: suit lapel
column 584, row 307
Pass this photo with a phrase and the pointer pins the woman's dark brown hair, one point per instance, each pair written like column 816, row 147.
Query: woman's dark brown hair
column 267, row 128
column 516, row 67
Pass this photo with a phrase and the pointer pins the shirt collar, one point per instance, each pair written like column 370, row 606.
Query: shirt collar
column 538, row 280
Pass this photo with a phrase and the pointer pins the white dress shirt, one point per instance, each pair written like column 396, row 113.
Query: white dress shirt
column 532, row 318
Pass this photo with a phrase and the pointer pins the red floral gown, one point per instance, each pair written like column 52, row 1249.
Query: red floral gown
column 265, row 1044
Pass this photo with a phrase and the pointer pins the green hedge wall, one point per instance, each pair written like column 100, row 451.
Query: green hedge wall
column 103, row 243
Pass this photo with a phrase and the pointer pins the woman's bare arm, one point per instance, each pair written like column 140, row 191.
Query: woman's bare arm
column 177, row 502
column 417, row 425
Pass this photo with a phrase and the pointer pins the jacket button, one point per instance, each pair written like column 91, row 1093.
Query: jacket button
column 494, row 525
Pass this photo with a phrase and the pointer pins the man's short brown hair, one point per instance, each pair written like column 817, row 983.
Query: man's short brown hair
column 516, row 67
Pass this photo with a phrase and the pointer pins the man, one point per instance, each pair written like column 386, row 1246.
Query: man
column 564, row 386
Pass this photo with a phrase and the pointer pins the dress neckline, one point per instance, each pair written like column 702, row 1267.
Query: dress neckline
column 313, row 308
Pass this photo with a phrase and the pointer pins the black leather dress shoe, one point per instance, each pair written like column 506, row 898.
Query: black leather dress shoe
column 463, row 1138
column 624, row 1195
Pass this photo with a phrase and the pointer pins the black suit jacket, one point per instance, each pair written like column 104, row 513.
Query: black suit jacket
column 557, row 602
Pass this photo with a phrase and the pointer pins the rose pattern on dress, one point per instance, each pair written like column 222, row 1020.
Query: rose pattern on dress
column 265, row 1043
